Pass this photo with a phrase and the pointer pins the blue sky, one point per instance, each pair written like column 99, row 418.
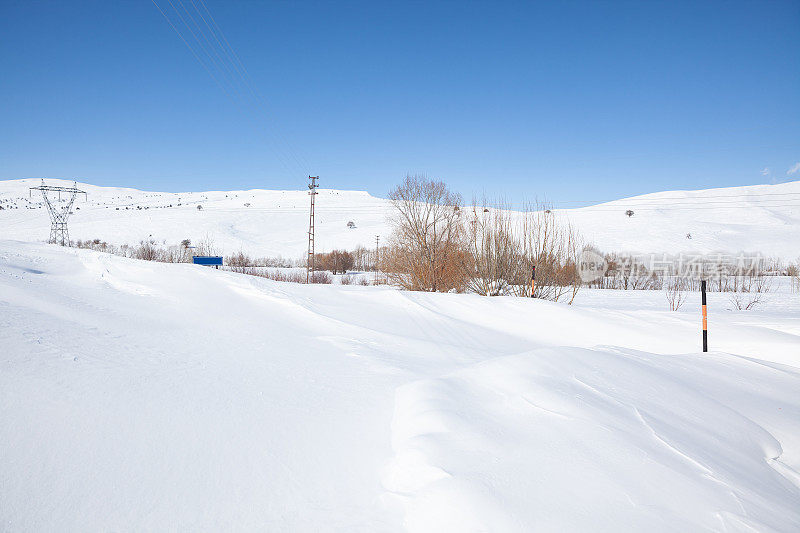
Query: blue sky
column 567, row 101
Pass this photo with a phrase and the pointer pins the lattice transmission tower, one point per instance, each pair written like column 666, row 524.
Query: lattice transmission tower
column 312, row 185
column 59, row 213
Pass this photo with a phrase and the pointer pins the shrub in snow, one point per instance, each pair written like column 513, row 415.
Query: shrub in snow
column 320, row 277
column 675, row 290
column 749, row 290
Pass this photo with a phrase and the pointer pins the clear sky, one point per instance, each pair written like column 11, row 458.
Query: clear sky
column 560, row 100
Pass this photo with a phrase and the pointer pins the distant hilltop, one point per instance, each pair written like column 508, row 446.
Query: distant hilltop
column 758, row 218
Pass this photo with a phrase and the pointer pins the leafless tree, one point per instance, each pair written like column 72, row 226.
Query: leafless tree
column 427, row 236
column 494, row 263
column 335, row 261
column 361, row 258
column 206, row 246
column 793, row 271
column 499, row 248
column 553, row 245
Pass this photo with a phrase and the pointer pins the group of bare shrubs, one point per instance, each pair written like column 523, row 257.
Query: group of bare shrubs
column 351, row 279
column 277, row 269
column 241, row 259
column 747, row 279
column 264, row 268
column 748, row 290
column 335, row 261
column 627, row 272
column 793, row 271
column 291, row 276
column 504, row 246
column 437, row 244
column 147, row 250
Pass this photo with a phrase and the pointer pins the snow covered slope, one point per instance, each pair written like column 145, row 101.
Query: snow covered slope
column 761, row 218
column 259, row 222
column 149, row 396
column 757, row 218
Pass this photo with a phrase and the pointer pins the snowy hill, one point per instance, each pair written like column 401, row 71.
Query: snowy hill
column 761, row 218
column 152, row 396
column 259, row 222
column 756, row 218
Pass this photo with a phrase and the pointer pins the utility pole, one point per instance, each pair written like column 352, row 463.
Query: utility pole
column 59, row 234
column 705, row 314
column 312, row 185
column 377, row 256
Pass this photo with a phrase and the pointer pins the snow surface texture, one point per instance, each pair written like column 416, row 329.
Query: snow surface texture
column 760, row 218
column 149, row 396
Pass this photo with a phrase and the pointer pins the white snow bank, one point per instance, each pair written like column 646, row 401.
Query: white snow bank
column 147, row 396
column 598, row 440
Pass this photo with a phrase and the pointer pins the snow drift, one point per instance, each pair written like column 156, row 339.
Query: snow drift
column 147, row 396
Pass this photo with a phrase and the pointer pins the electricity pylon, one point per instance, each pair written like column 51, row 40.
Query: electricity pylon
column 59, row 234
column 312, row 185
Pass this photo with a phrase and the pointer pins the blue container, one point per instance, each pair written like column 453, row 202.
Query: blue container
column 207, row 260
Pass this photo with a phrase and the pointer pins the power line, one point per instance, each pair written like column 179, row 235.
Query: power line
column 281, row 157
column 245, row 75
column 245, row 78
column 219, row 62
column 210, row 73
column 226, row 74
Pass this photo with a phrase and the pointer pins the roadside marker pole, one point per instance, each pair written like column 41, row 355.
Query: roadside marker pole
column 705, row 315
column 533, row 280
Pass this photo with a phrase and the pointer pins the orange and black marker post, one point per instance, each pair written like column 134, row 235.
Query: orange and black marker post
column 705, row 315
column 533, row 280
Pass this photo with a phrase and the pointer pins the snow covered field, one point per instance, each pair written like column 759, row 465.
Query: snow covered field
column 760, row 218
column 149, row 396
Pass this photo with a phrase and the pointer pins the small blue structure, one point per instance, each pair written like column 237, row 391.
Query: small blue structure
column 208, row 260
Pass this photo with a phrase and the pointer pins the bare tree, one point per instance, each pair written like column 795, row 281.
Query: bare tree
column 793, row 271
column 552, row 245
column 494, row 263
column 425, row 245
column 206, row 246
column 335, row 261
